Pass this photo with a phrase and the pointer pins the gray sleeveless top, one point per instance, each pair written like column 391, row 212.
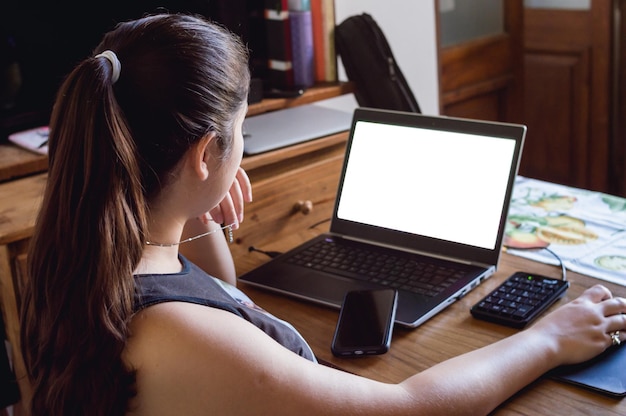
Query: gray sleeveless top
column 193, row 285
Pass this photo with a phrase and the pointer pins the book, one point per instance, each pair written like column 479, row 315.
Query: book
column 278, row 40
column 328, row 26
column 299, row 5
column 256, row 40
column 319, row 56
column 302, row 48
column 325, row 55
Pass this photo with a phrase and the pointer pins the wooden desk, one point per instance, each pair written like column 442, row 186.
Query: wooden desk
column 16, row 162
column 450, row 333
column 272, row 224
column 19, row 203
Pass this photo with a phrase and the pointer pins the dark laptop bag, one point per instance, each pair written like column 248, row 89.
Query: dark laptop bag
column 370, row 64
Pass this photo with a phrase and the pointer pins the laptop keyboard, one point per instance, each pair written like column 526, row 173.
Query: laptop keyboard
column 402, row 271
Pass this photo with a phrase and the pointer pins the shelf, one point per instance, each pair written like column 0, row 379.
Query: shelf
column 16, row 162
column 316, row 93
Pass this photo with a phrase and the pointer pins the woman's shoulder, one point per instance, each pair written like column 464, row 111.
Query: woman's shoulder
column 173, row 324
column 186, row 353
column 177, row 345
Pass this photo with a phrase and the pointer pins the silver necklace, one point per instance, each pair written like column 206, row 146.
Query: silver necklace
column 228, row 228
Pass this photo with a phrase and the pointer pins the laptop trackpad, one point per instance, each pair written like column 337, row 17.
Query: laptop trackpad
column 315, row 286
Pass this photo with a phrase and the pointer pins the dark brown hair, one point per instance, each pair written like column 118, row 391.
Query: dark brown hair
column 112, row 148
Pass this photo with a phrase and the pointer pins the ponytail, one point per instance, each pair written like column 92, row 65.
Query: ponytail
column 87, row 242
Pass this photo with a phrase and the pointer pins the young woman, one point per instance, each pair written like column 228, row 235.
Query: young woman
column 145, row 149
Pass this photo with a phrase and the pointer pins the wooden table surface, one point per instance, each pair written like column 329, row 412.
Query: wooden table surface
column 16, row 162
column 452, row 332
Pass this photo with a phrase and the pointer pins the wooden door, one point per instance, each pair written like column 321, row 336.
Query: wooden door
column 481, row 77
column 567, row 60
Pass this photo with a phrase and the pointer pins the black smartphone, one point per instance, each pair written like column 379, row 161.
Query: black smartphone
column 365, row 323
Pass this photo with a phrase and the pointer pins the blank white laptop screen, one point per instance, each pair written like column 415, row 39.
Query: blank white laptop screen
column 457, row 187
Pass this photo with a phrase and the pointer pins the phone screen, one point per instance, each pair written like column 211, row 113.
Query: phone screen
column 365, row 322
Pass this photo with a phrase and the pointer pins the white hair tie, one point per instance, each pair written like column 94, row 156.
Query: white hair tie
column 115, row 63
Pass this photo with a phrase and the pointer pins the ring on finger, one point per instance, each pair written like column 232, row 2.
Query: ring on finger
column 615, row 338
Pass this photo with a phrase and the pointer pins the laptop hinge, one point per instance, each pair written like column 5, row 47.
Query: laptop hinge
column 408, row 250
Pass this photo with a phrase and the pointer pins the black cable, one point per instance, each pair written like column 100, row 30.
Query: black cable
column 270, row 254
column 563, row 269
column 273, row 254
column 318, row 223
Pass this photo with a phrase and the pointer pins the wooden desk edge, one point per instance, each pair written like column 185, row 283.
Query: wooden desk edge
column 18, row 214
column 316, row 93
column 16, row 162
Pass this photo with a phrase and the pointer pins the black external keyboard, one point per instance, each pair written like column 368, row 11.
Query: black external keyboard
column 520, row 299
column 401, row 271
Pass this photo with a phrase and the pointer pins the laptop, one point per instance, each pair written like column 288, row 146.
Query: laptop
column 414, row 190
column 289, row 126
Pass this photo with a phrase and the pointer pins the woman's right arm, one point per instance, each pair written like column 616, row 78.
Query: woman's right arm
column 484, row 378
column 206, row 360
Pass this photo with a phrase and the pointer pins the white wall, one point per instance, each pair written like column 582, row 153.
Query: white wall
column 410, row 28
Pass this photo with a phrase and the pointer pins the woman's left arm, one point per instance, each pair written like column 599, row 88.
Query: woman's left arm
column 211, row 253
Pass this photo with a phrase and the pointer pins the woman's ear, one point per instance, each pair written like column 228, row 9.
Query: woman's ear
column 200, row 156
